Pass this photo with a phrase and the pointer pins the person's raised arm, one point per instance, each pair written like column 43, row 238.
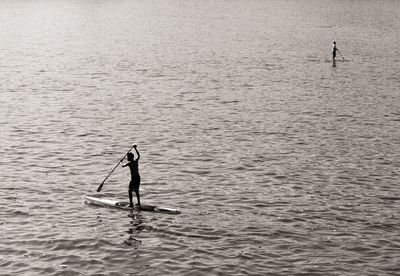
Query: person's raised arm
column 137, row 152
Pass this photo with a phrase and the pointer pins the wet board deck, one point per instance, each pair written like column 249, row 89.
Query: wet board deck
column 108, row 202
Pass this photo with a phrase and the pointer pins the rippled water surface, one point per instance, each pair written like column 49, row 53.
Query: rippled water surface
column 280, row 162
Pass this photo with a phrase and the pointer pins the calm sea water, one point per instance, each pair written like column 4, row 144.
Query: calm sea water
column 280, row 163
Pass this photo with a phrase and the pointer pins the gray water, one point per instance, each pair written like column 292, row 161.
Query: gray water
column 281, row 163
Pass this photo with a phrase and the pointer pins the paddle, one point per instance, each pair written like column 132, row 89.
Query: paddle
column 341, row 55
column 101, row 185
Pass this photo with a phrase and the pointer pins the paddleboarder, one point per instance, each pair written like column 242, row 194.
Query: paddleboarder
column 135, row 177
column 334, row 49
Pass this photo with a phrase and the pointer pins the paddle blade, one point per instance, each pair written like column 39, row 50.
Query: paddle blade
column 100, row 187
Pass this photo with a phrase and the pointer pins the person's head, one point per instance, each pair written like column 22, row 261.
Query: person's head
column 334, row 42
column 130, row 156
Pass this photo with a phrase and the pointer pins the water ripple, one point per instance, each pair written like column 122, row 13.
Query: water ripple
column 281, row 163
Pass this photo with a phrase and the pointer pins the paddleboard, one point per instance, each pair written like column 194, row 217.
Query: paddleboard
column 108, row 202
column 338, row 60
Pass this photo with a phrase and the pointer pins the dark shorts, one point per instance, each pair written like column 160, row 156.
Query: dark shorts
column 135, row 183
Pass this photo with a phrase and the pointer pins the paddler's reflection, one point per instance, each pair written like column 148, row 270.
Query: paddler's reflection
column 136, row 223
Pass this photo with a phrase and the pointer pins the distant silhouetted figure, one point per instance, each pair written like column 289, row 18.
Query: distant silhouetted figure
column 334, row 49
column 135, row 177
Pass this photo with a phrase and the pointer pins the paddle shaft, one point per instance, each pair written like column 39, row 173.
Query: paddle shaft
column 340, row 54
column 101, row 185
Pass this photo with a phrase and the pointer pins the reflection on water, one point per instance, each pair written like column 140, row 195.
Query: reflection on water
column 133, row 231
column 281, row 161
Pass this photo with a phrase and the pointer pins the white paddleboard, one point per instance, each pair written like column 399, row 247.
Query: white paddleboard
column 108, row 202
